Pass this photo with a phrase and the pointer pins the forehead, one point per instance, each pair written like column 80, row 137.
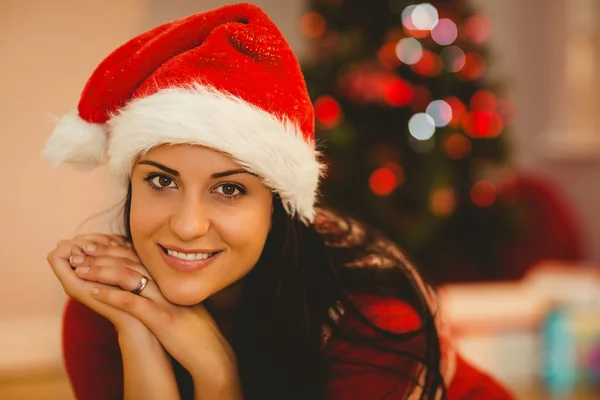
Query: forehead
column 190, row 158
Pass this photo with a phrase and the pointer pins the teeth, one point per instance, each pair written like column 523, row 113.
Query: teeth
column 189, row 257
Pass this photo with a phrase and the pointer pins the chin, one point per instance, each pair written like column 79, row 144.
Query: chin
column 183, row 295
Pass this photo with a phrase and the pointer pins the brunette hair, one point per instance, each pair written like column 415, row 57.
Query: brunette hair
column 288, row 299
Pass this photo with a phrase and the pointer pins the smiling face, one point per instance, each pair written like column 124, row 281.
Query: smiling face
column 198, row 221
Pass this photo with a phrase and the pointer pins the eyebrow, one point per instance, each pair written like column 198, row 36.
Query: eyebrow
column 213, row 176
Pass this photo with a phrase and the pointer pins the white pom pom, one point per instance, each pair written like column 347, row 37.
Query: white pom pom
column 76, row 141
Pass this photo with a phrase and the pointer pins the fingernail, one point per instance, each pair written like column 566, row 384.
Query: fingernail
column 76, row 259
column 94, row 291
column 90, row 247
column 113, row 243
column 82, row 270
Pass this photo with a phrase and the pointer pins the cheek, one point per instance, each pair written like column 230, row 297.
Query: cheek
column 147, row 216
column 245, row 232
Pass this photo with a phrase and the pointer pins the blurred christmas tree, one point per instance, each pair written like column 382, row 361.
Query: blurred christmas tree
column 413, row 134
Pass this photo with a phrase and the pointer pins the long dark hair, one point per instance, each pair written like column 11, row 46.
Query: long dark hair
column 287, row 301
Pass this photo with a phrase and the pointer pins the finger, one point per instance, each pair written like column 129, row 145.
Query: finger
column 140, row 307
column 99, row 250
column 125, row 278
column 59, row 262
column 105, row 239
column 107, row 261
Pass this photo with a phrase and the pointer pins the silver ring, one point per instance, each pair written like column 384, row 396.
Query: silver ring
column 141, row 286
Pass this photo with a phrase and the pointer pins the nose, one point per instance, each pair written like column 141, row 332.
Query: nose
column 190, row 221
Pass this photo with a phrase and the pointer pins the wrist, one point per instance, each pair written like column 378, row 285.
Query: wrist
column 218, row 384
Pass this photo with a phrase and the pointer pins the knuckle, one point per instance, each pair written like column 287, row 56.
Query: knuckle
column 125, row 301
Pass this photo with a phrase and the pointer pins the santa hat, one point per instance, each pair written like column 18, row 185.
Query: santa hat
column 225, row 79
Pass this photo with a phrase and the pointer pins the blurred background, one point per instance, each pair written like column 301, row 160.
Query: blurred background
column 468, row 131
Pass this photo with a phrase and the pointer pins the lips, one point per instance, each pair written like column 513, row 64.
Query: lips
column 188, row 260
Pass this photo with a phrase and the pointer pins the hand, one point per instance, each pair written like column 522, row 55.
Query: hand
column 63, row 259
column 188, row 333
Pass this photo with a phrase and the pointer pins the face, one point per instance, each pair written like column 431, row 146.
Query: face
column 199, row 222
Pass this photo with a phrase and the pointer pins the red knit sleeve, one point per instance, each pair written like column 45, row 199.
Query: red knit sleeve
column 363, row 372
column 91, row 354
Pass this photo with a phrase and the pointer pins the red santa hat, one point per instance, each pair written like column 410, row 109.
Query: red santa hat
column 225, row 79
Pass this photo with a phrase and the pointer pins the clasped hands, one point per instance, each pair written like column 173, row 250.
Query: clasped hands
column 101, row 271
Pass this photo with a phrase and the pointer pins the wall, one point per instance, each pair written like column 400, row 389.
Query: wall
column 48, row 49
column 529, row 52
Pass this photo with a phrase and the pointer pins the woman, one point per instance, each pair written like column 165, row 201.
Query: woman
column 229, row 282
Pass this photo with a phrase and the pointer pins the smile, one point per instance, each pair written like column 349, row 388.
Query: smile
column 187, row 261
column 189, row 256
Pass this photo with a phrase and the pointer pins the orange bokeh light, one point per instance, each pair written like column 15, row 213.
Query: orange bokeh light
column 442, row 201
column 313, row 25
column 457, row 146
column 483, row 193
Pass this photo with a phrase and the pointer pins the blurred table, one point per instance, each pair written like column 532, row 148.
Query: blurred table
column 497, row 326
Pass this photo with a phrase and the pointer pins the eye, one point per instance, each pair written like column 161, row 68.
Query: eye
column 160, row 182
column 230, row 190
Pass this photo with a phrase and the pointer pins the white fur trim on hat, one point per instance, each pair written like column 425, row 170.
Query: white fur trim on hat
column 76, row 141
column 272, row 148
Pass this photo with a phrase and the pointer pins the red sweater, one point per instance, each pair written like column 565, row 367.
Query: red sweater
column 93, row 359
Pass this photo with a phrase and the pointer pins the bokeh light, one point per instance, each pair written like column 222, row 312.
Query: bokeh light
column 421, row 146
column 327, row 111
column 429, row 65
column 445, row 32
column 458, row 111
column 440, row 111
column 407, row 21
column 483, row 193
column 442, row 201
column 397, row 170
column 424, row 17
column 477, row 29
column 483, row 100
column 409, row 50
column 483, row 124
column 421, row 98
column 474, row 66
column 421, row 126
column 382, row 181
column 398, row 93
column 453, row 58
column 387, row 56
column 313, row 25
column 457, row 146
